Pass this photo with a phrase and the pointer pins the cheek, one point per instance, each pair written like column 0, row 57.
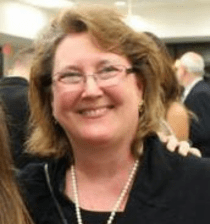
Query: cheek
column 180, row 74
column 131, row 94
column 63, row 100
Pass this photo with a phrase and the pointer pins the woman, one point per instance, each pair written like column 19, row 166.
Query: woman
column 176, row 113
column 12, row 208
column 96, row 108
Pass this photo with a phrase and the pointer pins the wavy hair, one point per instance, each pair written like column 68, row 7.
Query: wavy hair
column 169, row 82
column 12, row 206
column 105, row 26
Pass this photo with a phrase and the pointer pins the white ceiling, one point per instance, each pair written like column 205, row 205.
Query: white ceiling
column 134, row 5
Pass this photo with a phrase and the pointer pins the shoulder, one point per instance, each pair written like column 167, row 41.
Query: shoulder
column 14, row 81
column 178, row 119
column 177, row 164
column 203, row 83
column 199, row 95
column 31, row 177
column 38, row 183
column 32, row 183
column 201, row 88
column 13, row 88
column 34, row 175
column 174, row 175
column 177, row 109
column 174, row 184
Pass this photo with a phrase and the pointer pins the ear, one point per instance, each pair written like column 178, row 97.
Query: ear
column 183, row 70
column 185, row 75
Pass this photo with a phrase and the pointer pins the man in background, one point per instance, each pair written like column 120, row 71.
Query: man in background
column 14, row 94
column 196, row 97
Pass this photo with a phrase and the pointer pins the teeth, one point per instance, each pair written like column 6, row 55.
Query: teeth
column 94, row 113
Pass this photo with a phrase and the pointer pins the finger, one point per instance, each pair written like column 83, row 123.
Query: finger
column 195, row 152
column 172, row 143
column 163, row 137
column 184, row 148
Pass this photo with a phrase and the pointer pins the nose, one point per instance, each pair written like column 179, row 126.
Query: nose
column 91, row 88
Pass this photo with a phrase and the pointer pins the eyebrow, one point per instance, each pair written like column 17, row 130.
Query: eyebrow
column 104, row 62
column 79, row 68
column 68, row 67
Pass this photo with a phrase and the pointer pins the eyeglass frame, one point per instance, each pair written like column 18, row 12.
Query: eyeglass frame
column 125, row 71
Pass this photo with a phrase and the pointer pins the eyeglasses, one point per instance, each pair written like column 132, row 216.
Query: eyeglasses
column 109, row 75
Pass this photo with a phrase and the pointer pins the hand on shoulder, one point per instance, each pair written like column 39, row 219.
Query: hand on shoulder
column 181, row 147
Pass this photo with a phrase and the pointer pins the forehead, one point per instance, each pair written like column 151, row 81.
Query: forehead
column 81, row 50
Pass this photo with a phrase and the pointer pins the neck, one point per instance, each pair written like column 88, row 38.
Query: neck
column 102, row 160
column 101, row 171
column 191, row 78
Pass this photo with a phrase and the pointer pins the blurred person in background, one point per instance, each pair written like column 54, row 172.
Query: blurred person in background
column 196, row 96
column 12, row 208
column 14, row 94
column 96, row 107
column 176, row 114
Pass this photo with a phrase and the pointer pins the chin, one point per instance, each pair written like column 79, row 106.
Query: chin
column 95, row 136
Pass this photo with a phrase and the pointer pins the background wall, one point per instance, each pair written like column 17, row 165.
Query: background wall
column 172, row 20
column 176, row 22
column 21, row 20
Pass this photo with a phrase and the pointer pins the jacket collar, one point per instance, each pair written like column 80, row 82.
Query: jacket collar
column 154, row 174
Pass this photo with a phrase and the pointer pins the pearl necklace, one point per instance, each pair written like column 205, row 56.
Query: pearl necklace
column 119, row 200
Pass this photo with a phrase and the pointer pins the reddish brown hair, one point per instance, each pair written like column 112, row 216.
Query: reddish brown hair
column 106, row 27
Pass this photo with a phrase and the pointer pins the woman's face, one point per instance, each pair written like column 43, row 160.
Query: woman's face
column 93, row 113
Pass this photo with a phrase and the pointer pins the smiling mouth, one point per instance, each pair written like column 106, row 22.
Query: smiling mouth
column 95, row 112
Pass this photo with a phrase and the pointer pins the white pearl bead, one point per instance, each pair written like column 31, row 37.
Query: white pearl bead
column 118, row 202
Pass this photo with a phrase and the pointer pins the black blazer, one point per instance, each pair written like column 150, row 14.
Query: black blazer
column 14, row 94
column 168, row 189
column 198, row 101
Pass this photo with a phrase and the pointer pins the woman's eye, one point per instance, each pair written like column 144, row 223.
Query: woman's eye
column 108, row 69
column 70, row 74
column 71, row 77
